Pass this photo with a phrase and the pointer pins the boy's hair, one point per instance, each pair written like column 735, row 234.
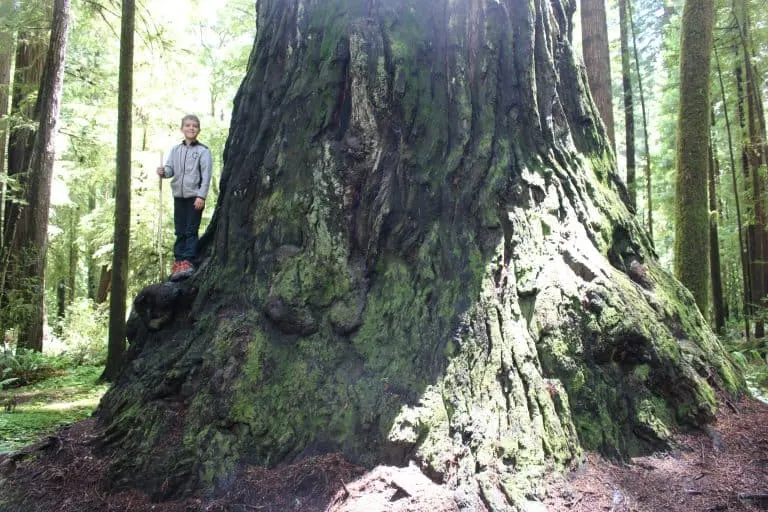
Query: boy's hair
column 190, row 117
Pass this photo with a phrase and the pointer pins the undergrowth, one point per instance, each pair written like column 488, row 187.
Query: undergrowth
column 42, row 391
column 34, row 411
column 750, row 358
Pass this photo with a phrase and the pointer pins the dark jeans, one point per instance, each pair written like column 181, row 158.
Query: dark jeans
column 187, row 223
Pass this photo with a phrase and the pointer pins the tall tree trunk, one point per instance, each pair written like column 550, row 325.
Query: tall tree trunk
column 7, row 46
column 32, row 230
column 629, row 106
column 646, row 144
column 74, row 253
column 31, row 47
column 420, row 252
column 31, row 50
column 116, row 343
column 692, row 162
column 93, row 285
column 752, row 161
column 597, row 59
column 718, row 310
column 743, row 253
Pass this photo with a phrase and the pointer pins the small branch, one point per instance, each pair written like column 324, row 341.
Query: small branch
column 645, row 465
column 346, row 491
column 752, row 496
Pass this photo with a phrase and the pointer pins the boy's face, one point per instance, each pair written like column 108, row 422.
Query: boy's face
column 190, row 128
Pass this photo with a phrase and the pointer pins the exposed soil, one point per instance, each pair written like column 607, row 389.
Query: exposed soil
column 723, row 468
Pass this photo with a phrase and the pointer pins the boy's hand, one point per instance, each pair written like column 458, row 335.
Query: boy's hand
column 199, row 203
column 161, row 171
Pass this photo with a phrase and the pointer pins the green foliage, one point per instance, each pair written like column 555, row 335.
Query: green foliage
column 82, row 342
column 7, row 382
column 84, row 333
column 750, row 358
column 27, row 366
column 68, row 397
column 16, row 304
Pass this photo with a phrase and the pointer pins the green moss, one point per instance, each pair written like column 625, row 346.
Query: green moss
column 597, row 430
column 406, row 33
column 653, row 413
column 641, row 372
column 243, row 408
column 545, row 229
column 317, row 277
column 702, row 406
column 577, row 381
column 218, row 458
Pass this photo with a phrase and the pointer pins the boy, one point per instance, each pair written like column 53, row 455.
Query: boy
column 189, row 164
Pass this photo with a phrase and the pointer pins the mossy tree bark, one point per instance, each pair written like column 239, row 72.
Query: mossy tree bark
column 692, row 159
column 421, row 251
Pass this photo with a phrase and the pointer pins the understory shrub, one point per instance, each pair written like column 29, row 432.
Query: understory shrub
column 25, row 366
column 84, row 333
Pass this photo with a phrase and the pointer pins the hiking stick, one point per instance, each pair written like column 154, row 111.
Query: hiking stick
column 160, row 221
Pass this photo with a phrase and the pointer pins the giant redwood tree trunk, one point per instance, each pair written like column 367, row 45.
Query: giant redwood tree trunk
column 421, row 252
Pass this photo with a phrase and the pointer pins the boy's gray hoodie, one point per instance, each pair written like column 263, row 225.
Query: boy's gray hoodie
column 190, row 167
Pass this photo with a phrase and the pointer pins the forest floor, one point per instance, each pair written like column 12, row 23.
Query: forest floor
column 724, row 468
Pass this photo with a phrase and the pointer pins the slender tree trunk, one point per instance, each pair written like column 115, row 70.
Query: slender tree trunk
column 7, row 46
column 691, row 205
column 74, row 252
column 646, row 144
column 597, row 59
column 743, row 254
column 116, row 344
column 93, row 285
column 105, row 282
column 749, row 206
column 32, row 230
column 61, row 300
column 752, row 161
column 718, row 314
column 434, row 265
column 629, row 107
